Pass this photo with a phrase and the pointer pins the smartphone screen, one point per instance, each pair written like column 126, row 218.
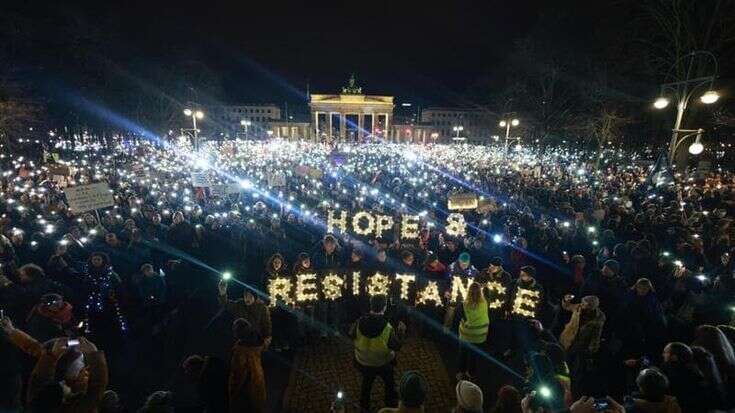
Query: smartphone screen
column 72, row 342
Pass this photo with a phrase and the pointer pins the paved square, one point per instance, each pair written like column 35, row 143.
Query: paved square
column 321, row 369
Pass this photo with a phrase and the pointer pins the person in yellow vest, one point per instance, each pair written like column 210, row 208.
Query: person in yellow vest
column 473, row 328
column 376, row 343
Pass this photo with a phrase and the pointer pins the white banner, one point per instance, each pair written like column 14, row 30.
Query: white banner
column 88, row 197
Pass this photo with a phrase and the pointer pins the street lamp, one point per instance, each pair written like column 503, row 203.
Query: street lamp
column 710, row 97
column 682, row 91
column 458, row 129
column 661, row 103
column 195, row 114
column 696, row 148
column 507, row 123
column 245, row 124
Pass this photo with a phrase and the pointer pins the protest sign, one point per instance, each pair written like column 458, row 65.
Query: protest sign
column 59, row 169
column 462, row 201
column 224, row 189
column 277, row 179
column 84, row 198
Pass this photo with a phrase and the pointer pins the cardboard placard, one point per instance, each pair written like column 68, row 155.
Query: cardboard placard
column 85, row 198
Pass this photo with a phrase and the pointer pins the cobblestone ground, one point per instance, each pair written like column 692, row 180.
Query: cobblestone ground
column 320, row 370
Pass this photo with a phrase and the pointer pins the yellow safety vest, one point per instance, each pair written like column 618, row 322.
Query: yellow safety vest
column 374, row 352
column 473, row 328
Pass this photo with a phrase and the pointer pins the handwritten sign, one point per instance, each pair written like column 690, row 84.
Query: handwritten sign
column 88, row 197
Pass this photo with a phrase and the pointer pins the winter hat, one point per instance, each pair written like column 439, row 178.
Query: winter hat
column 413, row 389
column 530, row 270
column 469, row 396
column 464, row 257
column 613, row 265
column 159, row 402
column 592, row 301
column 496, row 261
column 110, row 402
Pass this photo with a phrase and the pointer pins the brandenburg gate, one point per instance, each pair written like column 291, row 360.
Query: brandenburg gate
column 351, row 116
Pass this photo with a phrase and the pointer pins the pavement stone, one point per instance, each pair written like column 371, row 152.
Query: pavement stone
column 325, row 367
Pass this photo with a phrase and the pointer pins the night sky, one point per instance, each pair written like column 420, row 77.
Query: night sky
column 267, row 50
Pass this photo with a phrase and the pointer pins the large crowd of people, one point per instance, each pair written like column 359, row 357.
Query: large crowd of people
column 596, row 287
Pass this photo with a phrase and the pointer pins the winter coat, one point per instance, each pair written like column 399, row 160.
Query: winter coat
column 247, row 389
column 45, row 369
column 639, row 405
column 256, row 313
column 88, row 402
column 579, row 337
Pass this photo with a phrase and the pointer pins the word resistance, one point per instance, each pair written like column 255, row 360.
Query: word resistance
column 309, row 287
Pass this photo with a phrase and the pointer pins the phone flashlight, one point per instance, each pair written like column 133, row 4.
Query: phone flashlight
column 72, row 343
column 226, row 275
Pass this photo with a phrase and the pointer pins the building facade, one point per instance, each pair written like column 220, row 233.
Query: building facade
column 256, row 116
column 352, row 116
column 477, row 125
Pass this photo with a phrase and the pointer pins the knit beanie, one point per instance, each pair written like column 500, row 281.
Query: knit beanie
column 469, row 396
column 413, row 389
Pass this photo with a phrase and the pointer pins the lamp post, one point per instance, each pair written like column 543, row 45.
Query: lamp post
column 507, row 123
column 195, row 114
column 682, row 91
column 458, row 129
column 245, row 124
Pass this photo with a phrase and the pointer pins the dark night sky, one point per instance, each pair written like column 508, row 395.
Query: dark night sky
column 266, row 50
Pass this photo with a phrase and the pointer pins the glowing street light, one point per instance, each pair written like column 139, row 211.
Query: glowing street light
column 710, row 97
column 245, row 123
column 661, row 103
column 457, row 129
column 195, row 114
column 696, row 148
column 681, row 92
column 507, row 123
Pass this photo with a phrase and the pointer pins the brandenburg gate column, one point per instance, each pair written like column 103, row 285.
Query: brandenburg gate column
column 360, row 127
column 316, row 126
column 342, row 126
column 372, row 126
column 387, row 128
